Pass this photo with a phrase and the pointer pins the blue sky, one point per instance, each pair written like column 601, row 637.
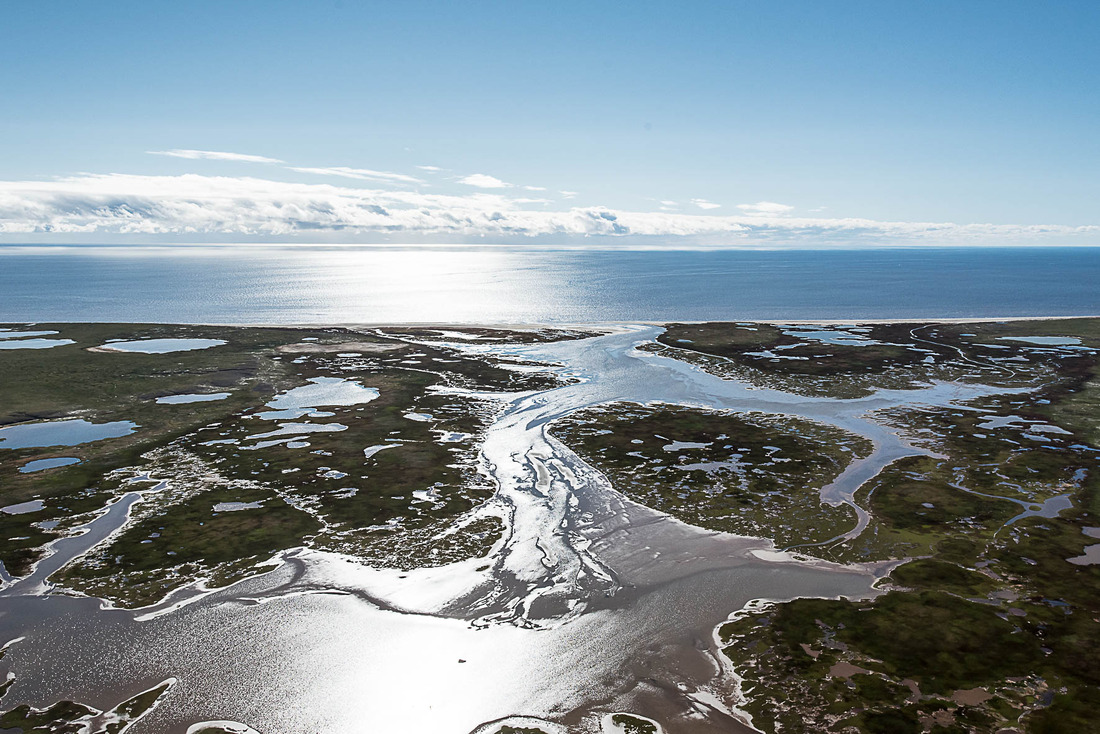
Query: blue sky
column 813, row 123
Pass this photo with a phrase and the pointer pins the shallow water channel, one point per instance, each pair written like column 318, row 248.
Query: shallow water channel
column 591, row 603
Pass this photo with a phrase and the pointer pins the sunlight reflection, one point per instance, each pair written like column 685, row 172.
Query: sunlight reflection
column 398, row 286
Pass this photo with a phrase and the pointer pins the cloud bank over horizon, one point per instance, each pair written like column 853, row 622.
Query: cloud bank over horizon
column 390, row 206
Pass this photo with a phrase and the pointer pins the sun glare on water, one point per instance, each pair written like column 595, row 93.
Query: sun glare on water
column 402, row 286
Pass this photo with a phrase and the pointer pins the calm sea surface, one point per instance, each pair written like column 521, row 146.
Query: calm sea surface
column 367, row 285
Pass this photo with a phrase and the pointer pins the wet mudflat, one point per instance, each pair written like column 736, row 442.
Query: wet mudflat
column 558, row 633
column 588, row 604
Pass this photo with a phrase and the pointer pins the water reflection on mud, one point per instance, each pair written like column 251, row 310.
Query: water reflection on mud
column 591, row 603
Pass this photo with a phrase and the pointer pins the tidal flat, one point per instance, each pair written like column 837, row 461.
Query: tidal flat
column 694, row 527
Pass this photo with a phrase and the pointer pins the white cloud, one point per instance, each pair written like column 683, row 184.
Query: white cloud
column 765, row 208
column 704, row 204
column 483, row 181
column 192, row 206
column 430, row 169
column 363, row 174
column 665, row 202
column 568, row 194
column 535, row 188
column 213, row 155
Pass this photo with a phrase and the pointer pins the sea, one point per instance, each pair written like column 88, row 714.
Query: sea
column 226, row 284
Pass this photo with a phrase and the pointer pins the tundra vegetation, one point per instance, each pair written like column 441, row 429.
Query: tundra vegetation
column 749, row 474
column 365, row 442
column 229, row 483
column 992, row 620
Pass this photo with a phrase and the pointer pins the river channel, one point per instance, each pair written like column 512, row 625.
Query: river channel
column 591, row 603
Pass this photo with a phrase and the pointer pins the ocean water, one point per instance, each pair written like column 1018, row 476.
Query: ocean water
column 281, row 285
